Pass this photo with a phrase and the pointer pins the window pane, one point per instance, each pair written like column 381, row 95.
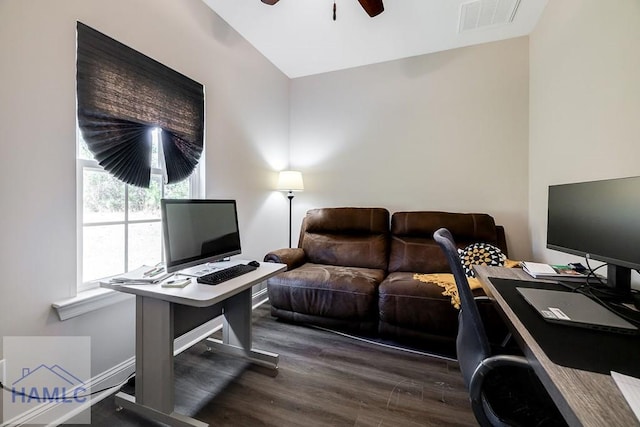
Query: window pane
column 103, row 251
column 145, row 203
column 83, row 151
column 103, row 198
column 155, row 146
column 104, row 247
column 145, row 244
column 179, row 190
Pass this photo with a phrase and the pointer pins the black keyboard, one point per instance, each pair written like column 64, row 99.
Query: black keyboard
column 220, row 276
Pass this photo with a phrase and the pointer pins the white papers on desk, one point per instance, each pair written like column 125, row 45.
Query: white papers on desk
column 539, row 270
column 630, row 388
column 142, row 275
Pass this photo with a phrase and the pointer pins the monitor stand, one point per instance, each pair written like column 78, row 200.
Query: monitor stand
column 619, row 279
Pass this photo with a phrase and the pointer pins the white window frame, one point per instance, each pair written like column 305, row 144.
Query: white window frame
column 91, row 164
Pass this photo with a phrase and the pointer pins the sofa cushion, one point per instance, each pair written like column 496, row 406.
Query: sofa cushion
column 411, row 304
column 419, row 313
column 350, row 237
column 413, row 248
column 328, row 291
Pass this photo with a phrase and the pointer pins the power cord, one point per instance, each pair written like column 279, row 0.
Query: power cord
column 599, row 292
column 30, row 396
column 592, row 271
column 587, row 281
column 617, row 308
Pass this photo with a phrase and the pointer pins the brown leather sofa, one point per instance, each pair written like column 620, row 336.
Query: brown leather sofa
column 353, row 270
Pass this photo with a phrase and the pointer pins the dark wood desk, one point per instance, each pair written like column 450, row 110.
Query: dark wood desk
column 584, row 398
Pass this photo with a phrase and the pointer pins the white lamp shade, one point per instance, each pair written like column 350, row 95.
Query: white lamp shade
column 290, row 181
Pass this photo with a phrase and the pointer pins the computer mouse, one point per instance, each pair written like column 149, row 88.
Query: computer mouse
column 254, row 264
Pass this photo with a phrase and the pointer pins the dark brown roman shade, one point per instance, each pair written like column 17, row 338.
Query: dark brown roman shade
column 122, row 95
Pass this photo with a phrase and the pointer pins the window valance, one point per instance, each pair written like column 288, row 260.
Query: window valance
column 122, row 95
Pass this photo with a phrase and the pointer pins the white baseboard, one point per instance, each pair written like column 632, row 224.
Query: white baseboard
column 110, row 380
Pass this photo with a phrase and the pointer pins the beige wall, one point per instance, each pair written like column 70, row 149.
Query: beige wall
column 445, row 131
column 585, row 101
column 247, row 129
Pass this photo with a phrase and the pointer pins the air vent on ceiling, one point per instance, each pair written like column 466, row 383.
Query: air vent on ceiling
column 486, row 13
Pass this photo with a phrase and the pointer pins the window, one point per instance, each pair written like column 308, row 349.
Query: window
column 140, row 138
column 119, row 224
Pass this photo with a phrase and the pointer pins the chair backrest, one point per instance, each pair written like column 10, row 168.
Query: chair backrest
column 472, row 345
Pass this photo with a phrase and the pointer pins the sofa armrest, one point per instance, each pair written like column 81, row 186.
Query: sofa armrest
column 293, row 257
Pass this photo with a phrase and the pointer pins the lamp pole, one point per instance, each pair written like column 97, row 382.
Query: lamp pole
column 290, row 197
column 290, row 181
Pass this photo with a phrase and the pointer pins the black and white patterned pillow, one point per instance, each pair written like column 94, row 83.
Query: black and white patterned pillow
column 480, row 254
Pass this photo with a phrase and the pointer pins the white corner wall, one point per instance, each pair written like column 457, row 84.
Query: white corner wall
column 247, row 125
column 445, row 131
column 585, row 101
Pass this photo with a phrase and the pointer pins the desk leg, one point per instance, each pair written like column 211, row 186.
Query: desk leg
column 236, row 327
column 236, row 332
column 154, row 365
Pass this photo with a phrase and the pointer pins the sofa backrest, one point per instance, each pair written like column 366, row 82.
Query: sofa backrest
column 350, row 237
column 413, row 248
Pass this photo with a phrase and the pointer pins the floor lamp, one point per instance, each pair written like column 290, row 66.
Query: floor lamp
column 290, row 181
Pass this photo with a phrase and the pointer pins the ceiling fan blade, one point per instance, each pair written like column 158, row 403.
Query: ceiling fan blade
column 270, row 2
column 372, row 7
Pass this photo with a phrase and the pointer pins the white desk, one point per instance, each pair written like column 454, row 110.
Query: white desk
column 164, row 313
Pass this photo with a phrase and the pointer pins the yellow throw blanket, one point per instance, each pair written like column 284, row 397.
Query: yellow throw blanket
column 446, row 281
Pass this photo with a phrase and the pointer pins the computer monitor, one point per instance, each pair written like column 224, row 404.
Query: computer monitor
column 601, row 220
column 198, row 231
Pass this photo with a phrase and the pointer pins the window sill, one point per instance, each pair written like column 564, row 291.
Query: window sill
column 88, row 301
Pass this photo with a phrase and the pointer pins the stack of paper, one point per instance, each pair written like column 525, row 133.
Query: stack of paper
column 630, row 389
column 142, row 275
column 546, row 271
column 177, row 283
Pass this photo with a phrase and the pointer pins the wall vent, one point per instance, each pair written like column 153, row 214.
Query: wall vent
column 486, row 13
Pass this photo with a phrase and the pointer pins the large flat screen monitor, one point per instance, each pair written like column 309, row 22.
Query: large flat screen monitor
column 601, row 220
column 198, row 231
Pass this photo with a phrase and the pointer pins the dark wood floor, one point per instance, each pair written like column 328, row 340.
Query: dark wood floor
column 324, row 379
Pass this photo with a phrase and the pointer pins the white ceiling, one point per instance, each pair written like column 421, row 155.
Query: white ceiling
column 301, row 38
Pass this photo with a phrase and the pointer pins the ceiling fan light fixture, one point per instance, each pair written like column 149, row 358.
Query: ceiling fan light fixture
column 372, row 7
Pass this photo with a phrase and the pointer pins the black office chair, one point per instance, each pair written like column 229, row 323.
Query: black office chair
column 503, row 389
